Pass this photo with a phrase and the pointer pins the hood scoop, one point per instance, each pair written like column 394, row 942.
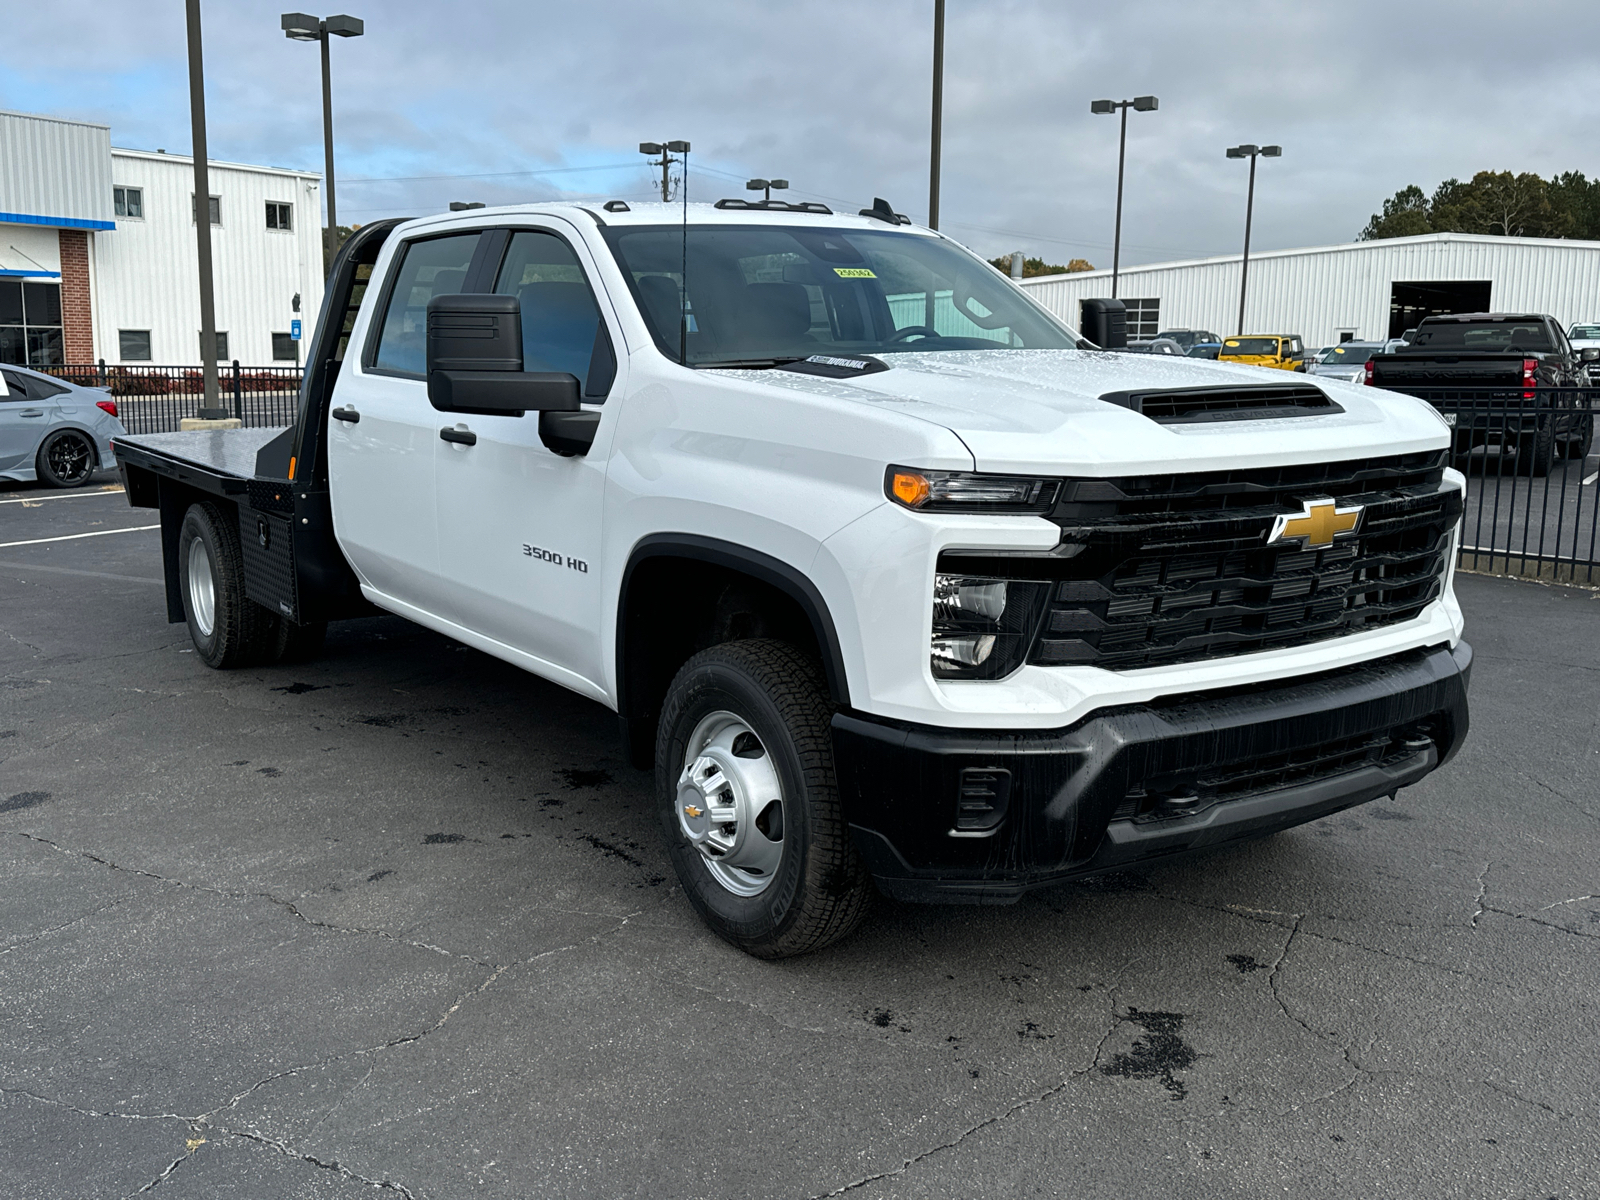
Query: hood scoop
column 1187, row 406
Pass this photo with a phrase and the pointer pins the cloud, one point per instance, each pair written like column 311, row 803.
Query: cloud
column 1364, row 98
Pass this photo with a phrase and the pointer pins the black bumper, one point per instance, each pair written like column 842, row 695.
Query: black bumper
column 1139, row 782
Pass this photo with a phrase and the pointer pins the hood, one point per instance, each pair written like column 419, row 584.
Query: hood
column 1027, row 411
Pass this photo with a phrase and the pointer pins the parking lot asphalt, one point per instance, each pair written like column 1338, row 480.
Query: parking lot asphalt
column 400, row 919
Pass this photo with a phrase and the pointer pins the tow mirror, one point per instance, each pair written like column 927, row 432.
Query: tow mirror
column 1105, row 323
column 474, row 360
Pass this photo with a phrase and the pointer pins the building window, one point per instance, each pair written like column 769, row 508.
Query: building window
column 279, row 215
column 216, row 209
column 284, row 348
column 222, row 345
column 30, row 323
column 129, row 202
column 1144, row 319
column 133, row 345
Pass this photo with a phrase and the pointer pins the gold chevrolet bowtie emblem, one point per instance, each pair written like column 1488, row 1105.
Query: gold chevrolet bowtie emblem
column 691, row 811
column 1317, row 526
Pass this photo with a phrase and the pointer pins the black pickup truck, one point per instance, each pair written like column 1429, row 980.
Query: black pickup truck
column 1506, row 378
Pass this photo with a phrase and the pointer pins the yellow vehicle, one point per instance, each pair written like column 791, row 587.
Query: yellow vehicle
column 1281, row 350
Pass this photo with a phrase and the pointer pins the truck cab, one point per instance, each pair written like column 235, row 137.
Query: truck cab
column 896, row 583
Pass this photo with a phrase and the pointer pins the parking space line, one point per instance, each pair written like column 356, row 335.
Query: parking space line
column 67, row 537
column 20, row 566
column 71, row 496
column 1591, row 478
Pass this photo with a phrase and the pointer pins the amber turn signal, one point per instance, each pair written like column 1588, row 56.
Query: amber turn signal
column 910, row 488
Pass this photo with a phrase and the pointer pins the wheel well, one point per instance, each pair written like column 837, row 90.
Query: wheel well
column 676, row 604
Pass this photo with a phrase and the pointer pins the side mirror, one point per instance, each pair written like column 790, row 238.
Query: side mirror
column 474, row 360
column 1592, row 354
column 1105, row 323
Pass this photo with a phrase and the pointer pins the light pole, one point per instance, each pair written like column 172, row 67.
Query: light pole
column 303, row 27
column 1250, row 152
column 938, row 115
column 1105, row 108
column 210, row 406
column 768, row 185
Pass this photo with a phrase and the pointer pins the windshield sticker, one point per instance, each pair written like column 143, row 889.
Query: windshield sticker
column 853, row 273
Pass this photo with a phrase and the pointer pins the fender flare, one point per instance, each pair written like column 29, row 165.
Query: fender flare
column 769, row 570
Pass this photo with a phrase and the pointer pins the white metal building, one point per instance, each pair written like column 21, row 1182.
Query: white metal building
column 1361, row 290
column 98, row 257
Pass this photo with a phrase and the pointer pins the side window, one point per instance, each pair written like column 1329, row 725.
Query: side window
column 435, row 267
column 15, row 389
column 561, row 325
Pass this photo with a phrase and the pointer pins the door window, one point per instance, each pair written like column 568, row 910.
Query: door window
column 561, row 326
column 435, row 267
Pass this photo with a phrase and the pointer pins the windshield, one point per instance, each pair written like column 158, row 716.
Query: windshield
column 764, row 294
column 1488, row 335
column 1348, row 354
column 1585, row 333
column 1185, row 337
column 1204, row 350
column 1249, row 345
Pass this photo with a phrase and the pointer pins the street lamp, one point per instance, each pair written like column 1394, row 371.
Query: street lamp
column 769, row 185
column 1106, row 108
column 1251, row 152
column 303, row 27
column 666, row 150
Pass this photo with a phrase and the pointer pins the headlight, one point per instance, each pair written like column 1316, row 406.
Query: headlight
column 968, row 491
column 981, row 626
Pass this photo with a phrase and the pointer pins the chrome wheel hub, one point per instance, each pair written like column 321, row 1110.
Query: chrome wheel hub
column 730, row 804
column 202, row 590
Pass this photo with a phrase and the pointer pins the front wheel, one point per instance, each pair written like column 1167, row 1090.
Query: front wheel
column 749, row 803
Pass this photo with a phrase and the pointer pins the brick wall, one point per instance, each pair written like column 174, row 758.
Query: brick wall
column 76, row 318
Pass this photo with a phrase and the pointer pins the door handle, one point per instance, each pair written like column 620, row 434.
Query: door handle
column 462, row 437
column 345, row 414
column 31, row 412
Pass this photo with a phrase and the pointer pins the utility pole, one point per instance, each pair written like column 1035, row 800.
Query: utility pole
column 1251, row 152
column 666, row 160
column 210, row 407
column 938, row 113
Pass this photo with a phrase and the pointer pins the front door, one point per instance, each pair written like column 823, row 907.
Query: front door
column 381, row 462
column 519, row 526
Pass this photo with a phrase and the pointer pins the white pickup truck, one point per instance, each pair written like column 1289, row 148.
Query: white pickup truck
column 896, row 582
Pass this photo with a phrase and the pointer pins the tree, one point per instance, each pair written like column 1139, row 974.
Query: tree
column 1498, row 203
column 1037, row 266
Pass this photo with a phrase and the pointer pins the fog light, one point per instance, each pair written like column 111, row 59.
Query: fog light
column 968, row 650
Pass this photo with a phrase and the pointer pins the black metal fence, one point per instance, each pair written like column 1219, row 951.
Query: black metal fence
column 155, row 399
column 1532, row 494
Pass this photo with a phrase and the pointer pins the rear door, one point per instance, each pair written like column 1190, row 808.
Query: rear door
column 382, row 432
column 24, row 420
column 519, row 526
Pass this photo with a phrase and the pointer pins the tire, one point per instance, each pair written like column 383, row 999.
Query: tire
column 227, row 628
column 1536, row 451
column 293, row 643
column 1578, row 444
column 66, row 459
column 758, row 712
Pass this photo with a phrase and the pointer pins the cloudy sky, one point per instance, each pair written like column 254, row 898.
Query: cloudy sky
column 505, row 101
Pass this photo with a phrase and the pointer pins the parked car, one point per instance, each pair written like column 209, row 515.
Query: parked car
column 1285, row 351
column 1188, row 338
column 884, row 604
column 52, row 431
column 1204, row 350
column 1346, row 361
column 1155, row 346
column 1584, row 337
column 1484, row 372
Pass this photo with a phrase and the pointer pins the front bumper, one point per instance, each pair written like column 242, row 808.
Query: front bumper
column 1142, row 781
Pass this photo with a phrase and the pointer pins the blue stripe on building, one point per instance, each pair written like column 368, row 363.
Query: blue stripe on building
column 54, row 222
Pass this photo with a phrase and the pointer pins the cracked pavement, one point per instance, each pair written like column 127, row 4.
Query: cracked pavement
column 398, row 922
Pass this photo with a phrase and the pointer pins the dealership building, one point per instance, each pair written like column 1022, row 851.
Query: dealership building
column 98, row 259
column 1366, row 291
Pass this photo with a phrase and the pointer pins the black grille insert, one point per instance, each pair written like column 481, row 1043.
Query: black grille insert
column 1260, row 403
column 1155, row 570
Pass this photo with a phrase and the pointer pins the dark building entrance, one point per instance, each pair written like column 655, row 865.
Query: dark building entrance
column 1410, row 302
